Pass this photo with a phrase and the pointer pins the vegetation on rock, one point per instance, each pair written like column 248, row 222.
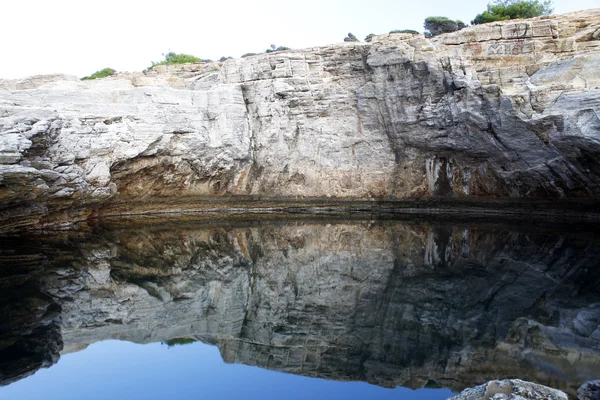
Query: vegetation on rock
column 175, row 58
column 351, row 38
column 103, row 73
column 274, row 48
column 413, row 32
column 437, row 25
column 501, row 10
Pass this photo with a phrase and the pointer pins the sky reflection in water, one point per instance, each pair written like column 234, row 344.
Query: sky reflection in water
column 123, row 370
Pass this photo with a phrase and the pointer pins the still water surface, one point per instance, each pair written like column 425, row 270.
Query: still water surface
column 297, row 309
column 122, row 370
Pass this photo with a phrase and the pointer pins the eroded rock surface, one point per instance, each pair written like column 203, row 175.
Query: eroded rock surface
column 511, row 389
column 501, row 110
column 390, row 303
column 589, row 391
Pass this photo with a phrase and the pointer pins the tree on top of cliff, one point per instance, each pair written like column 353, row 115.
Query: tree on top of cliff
column 501, row 10
column 437, row 25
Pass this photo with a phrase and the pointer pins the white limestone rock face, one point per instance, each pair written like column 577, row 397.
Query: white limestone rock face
column 503, row 110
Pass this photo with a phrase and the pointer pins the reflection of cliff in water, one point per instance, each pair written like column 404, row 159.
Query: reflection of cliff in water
column 391, row 303
column 30, row 335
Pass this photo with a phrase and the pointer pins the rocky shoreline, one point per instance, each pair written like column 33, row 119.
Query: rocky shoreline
column 516, row 389
column 575, row 212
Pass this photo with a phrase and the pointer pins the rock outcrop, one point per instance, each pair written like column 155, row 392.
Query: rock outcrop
column 502, row 110
column 511, row 389
column 390, row 303
column 589, row 391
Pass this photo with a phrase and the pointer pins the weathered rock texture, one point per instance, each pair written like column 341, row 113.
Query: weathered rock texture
column 511, row 389
column 501, row 110
column 409, row 304
column 589, row 391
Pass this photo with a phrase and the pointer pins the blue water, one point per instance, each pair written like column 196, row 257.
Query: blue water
column 123, row 370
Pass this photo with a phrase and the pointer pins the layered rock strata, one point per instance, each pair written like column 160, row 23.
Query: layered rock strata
column 411, row 304
column 502, row 110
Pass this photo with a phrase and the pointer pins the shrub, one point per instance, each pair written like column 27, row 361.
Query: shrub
column 405, row 31
column 351, row 38
column 501, row 10
column 103, row 73
column 174, row 58
column 248, row 55
column 275, row 48
column 224, row 58
column 369, row 37
column 438, row 25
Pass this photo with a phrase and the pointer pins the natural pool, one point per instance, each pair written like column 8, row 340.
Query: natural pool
column 123, row 370
column 159, row 308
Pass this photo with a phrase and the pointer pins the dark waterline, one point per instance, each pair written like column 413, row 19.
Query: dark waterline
column 416, row 303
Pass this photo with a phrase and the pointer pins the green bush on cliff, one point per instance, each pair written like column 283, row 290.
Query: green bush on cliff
column 175, row 58
column 438, row 25
column 501, row 10
column 274, row 49
column 351, row 38
column 103, row 73
column 405, row 31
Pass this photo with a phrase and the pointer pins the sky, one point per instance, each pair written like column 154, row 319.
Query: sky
column 81, row 37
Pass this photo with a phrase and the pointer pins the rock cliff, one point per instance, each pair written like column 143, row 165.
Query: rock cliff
column 390, row 303
column 501, row 110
